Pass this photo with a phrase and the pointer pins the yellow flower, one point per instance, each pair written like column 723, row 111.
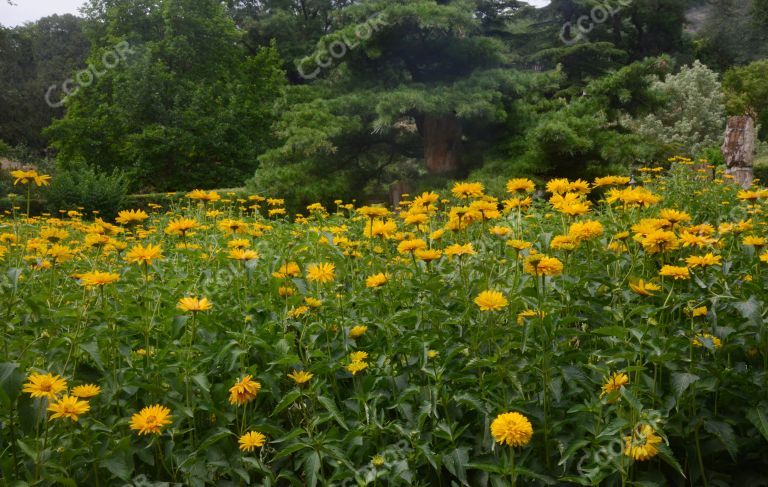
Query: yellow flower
column 659, row 241
column 151, row 419
column 243, row 254
column 359, row 356
column 238, row 243
column 288, row 269
column 558, row 186
column 86, row 390
column 373, row 211
column 410, row 246
column 427, row 255
column 460, row 250
column 541, row 265
column 700, row 311
column 641, row 445
column 703, row 260
column 377, row 461
column 130, row 217
column 512, row 429
column 674, row 216
column 376, row 280
column 96, row 278
column 644, row 288
column 528, row 313
column 300, row 376
column 322, row 273
column 233, row 226
column 181, row 226
column 194, row 304
column 68, row 407
column 491, row 301
column 357, row 331
column 703, row 339
column 563, row 242
column 586, row 230
column 356, row 367
column 753, row 241
column 244, row 391
column 432, row 354
column 675, row 272
column 252, row 440
column 520, row 184
column 467, row 190
column 614, row 383
column 45, row 385
column 141, row 254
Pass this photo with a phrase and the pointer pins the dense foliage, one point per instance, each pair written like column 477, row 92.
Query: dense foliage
column 460, row 340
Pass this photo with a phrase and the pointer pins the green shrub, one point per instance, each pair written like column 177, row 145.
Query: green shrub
column 82, row 187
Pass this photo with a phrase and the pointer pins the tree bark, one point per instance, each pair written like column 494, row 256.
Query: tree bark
column 442, row 143
column 739, row 149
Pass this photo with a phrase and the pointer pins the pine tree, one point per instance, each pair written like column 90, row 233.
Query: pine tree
column 400, row 81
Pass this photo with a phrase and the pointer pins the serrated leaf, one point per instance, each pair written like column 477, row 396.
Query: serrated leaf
column 681, row 381
column 759, row 418
column 330, row 406
column 723, row 432
column 286, row 401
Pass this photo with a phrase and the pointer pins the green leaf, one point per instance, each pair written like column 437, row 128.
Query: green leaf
column 202, row 381
column 612, row 331
column 286, row 401
column 330, row 406
column 666, row 455
column 11, row 378
column 121, row 466
column 311, row 467
column 681, row 381
column 759, row 418
column 724, row 432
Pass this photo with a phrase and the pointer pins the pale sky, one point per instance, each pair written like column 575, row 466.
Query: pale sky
column 31, row 10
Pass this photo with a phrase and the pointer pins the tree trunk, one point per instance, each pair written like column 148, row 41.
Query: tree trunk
column 442, row 143
column 739, row 149
column 397, row 190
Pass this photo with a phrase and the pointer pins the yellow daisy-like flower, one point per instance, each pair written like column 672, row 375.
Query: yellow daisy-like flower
column 359, row 356
column 357, row 331
column 300, row 376
column 491, row 301
column 243, row 254
column 614, row 383
column 700, row 311
column 468, row 190
column 675, row 272
column 512, row 429
column 753, row 241
column 194, row 304
column 644, row 288
column 97, row 278
column 141, row 254
column 428, row 255
column 45, row 385
column 151, row 419
column 703, row 338
column 355, row 368
column 376, row 280
column 288, row 269
column 703, row 260
column 252, row 440
column 181, row 226
column 659, row 241
column 528, row 313
column 520, row 184
column 586, row 230
column 541, row 265
column 244, row 391
column 68, row 407
column 460, row 250
column 322, row 273
column 131, row 217
column 641, row 445
column 86, row 390
column 410, row 246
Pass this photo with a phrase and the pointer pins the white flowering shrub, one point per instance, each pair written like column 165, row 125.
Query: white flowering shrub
column 692, row 116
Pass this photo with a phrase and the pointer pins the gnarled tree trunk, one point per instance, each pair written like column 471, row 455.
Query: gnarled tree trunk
column 739, row 149
column 442, row 143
